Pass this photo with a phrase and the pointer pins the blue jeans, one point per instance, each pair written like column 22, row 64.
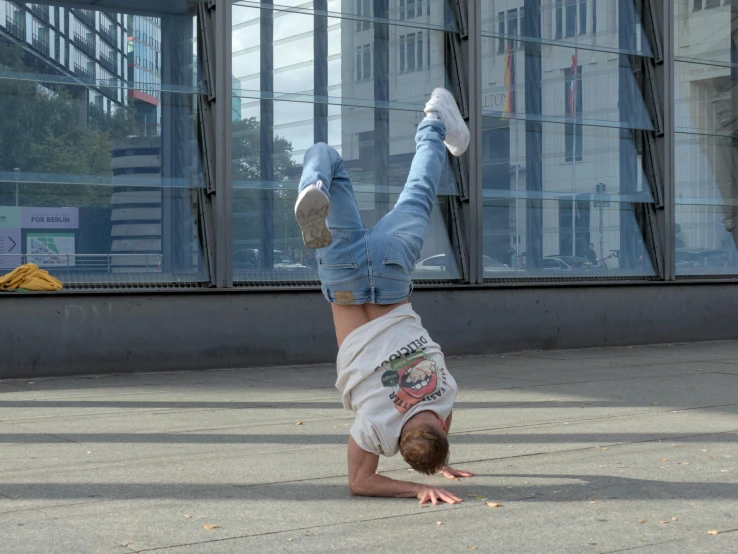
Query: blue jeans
column 373, row 265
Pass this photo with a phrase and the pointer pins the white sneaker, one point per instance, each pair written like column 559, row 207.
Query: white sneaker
column 457, row 133
column 311, row 211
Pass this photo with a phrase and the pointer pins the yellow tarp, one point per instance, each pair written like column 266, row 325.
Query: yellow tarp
column 29, row 277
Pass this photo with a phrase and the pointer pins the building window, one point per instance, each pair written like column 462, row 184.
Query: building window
column 402, row 54
column 512, row 26
column 410, row 9
column 594, row 16
column 411, row 52
column 582, row 17
column 573, row 98
column 420, row 49
column 501, row 29
column 571, row 18
column 559, row 18
column 521, row 27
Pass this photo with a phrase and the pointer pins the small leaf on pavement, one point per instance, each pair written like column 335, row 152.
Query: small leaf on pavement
column 641, row 521
column 439, row 523
column 663, row 522
column 298, row 423
column 493, row 504
column 209, row 527
column 713, row 532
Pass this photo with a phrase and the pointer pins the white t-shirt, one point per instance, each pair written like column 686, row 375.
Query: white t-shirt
column 389, row 370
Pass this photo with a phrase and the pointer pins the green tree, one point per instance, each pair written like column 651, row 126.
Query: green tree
column 247, row 196
column 47, row 128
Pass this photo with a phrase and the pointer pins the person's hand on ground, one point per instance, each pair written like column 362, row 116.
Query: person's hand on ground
column 450, row 473
column 435, row 495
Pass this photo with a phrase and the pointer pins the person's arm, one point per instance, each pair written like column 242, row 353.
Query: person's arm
column 365, row 481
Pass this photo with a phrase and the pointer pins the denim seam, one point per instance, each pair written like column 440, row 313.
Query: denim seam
column 344, row 281
column 387, row 261
column 344, row 238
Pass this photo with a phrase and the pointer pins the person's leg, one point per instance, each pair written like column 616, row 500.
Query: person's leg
column 405, row 227
column 326, row 197
column 412, row 211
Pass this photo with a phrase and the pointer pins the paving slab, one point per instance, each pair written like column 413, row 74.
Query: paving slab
column 577, row 446
column 32, row 531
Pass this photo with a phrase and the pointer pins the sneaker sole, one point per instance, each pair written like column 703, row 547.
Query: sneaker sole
column 452, row 110
column 311, row 212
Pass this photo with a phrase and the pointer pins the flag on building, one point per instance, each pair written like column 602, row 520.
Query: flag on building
column 509, row 107
column 574, row 87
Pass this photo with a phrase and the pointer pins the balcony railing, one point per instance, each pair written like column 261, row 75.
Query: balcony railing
column 80, row 71
column 108, row 36
column 109, row 64
column 40, row 11
column 87, row 46
column 15, row 28
column 40, row 45
column 85, row 16
column 110, row 92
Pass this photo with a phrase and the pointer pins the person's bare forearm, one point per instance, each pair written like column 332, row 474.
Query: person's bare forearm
column 379, row 485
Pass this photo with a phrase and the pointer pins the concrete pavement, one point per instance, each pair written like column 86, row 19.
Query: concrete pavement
column 591, row 451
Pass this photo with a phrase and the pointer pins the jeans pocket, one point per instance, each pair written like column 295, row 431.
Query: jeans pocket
column 338, row 254
column 403, row 250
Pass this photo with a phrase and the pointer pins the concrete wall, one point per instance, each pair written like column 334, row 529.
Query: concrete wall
column 64, row 334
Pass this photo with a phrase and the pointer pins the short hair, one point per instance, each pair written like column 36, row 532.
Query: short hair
column 425, row 449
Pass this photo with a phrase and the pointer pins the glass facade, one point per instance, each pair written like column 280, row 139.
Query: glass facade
column 586, row 165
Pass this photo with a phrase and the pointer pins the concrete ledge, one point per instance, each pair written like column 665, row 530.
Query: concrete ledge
column 65, row 334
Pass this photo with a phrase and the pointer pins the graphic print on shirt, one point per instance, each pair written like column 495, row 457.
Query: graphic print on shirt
column 414, row 378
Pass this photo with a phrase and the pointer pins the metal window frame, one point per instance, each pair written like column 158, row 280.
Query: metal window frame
column 464, row 62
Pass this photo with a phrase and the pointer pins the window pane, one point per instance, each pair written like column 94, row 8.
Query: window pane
column 567, row 22
column 103, row 180
column 582, row 17
column 564, row 186
column 370, row 120
column 501, row 29
column 571, row 18
column 601, row 80
column 706, row 149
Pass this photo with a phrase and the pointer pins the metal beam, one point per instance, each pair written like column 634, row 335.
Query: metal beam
column 664, row 10
column 266, row 131
column 223, row 144
column 533, row 136
column 473, row 208
column 320, row 71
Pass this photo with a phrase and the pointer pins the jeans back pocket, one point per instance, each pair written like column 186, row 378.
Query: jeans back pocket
column 403, row 250
column 337, row 255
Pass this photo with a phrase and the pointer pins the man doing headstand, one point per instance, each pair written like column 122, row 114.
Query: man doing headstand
column 390, row 372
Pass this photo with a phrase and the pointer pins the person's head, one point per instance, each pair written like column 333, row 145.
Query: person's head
column 423, row 442
column 591, row 246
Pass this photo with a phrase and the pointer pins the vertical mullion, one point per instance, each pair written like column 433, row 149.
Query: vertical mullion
column 380, row 74
column 474, row 209
column 665, row 143
column 266, row 134
column 320, row 71
column 533, row 136
column 628, row 160
column 223, row 146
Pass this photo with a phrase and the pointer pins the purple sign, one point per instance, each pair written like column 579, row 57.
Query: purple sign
column 49, row 218
column 10, row 245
